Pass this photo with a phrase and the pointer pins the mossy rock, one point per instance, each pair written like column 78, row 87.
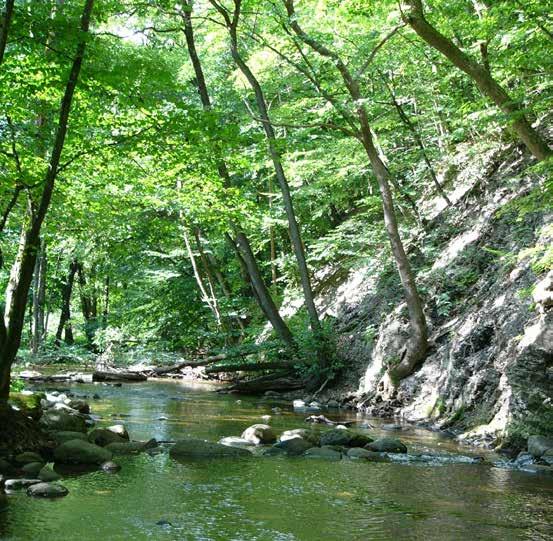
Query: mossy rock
column 28, row 403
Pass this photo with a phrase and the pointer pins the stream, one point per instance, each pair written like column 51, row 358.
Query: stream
column 274, row 498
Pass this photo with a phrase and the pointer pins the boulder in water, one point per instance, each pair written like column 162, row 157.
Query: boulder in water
column 344, row 437
column 18, row 484
column 312, row 436
column 323, row 452
column 47, row 490
column 103, row 437
column 33, row 468
column 195, row 448
column 47, row 474
column 294, row 446
column 61, row 436
column 259, row 434
column 60, row 420
column 27, row 457
column 387, row 445
column 233, row 441
column 131, row 447
column 81, row 452
column 110, row 467
column 120, row 430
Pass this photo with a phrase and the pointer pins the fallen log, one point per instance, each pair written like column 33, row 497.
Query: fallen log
column 192, row 364
column 118, row 376
column 271, row 382
column 248, row 367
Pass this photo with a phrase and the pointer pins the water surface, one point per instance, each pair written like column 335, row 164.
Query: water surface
column 273, row 499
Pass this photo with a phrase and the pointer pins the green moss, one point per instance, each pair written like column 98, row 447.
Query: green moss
column 27, row 402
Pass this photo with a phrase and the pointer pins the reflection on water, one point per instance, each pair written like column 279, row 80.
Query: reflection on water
column 273, row 499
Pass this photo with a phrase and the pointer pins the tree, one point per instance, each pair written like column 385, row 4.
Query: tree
column 413, row 14
column 11, row 328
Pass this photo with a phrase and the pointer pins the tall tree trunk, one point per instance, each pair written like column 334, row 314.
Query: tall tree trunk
column 295, row 235
column 39, row 298
column 417, row 346
column 105, row 311
column 10, row 331
column 88, row 306
column 5, row 21
column 241, row 245
column 65, row 316
column 414, row 16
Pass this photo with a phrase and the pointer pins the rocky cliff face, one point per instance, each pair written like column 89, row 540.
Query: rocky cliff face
column 485, row 275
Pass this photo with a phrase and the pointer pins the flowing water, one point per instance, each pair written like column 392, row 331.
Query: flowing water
column 273, row 498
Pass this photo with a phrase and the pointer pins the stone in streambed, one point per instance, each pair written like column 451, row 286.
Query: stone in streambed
column 81, row 452
column 323, row 452
column 18, row 484
column 345, row 437
column 195, row 448
column 47, row 490
column 387, row 445
column 60, row 420
column 259, row 434
column 312, row 436
column 47, row 474
column 61, row 436
column 110, row 467
column 294, row 446
column 365, row 454
column 233, row 441
column 103, row 437
column 32, row 469
column 27, row 457
column 120, row 430
column 131, row 447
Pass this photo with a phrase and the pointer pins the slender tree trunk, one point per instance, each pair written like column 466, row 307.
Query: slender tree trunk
column 65, row 316
column 274, row 152
column 88, row 306
column 39, row 298
column 105, row 312
column 265, row 300
column 5, row 21
column 414, row 16
column 246, row 259
column 10, row 332
column 417, row 346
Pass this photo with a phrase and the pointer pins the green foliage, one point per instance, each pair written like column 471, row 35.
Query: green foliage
column 16, row 385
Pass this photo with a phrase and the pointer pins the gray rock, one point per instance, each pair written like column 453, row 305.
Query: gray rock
column 60, row 420
column 110, row 467
column 81, row 452
column 33, row 468
column 323, row 452
column 18, row 484
column 311, row 436
column 539, row 469
column 103, row 437
column 131, row 447
column 47, row 490
column 273, row 451
column 387, row 445
column 294, row 446
column 333, row 404
column 79, row 405
column 345, row 437
column 391, row 427
column 195, row 448
column 234, row 441
column 523, row 459
column 539, row 445
column 62, row 436
column 47, row 474
column 359, row 452
column 120, row 430
column 259, row 434
column 27, row 457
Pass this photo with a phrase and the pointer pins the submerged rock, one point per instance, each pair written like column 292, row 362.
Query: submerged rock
column 259, row 434
column 195, row 448
column 120, row 430
column 323, row 452
column 62, row 436
column 345, row 437
column 387, row 445
column 131, row 447
column 47, row 490
column 81, row 452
